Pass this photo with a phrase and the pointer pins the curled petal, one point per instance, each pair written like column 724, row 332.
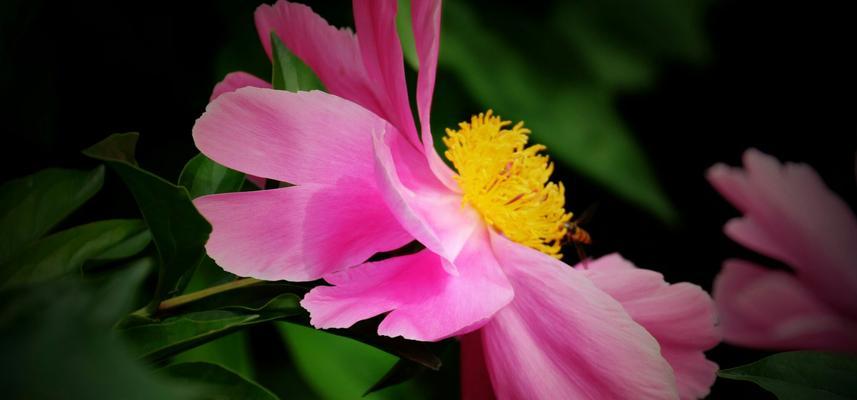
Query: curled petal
column 426, row 208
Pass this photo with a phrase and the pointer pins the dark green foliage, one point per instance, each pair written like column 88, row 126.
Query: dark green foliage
column 801, row 375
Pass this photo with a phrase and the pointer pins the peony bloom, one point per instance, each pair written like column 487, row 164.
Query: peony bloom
column 367, row 182
column 789, row 215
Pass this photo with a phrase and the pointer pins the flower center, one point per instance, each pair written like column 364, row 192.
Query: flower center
column 508, row 182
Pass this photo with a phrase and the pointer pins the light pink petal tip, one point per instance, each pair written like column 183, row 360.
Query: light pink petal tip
column 562, row 337
column 424, row 301
column 237, row 80
column 681, row 317
column 790, row 214
column 772, row 309
column 298, row 233
column 304, row 137
column 232, row 82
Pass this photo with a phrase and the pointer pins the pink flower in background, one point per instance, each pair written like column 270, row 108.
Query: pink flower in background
column 791, row 216
column 365, row 182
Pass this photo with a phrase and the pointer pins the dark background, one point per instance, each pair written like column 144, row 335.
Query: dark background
column 779, row 79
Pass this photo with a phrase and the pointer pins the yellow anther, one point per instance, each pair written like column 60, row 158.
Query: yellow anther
column 507, row 182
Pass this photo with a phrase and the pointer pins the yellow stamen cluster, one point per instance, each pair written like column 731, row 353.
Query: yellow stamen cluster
column 508, row 182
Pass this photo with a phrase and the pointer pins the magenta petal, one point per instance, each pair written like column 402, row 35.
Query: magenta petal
column 790, row 214
column 299, row 233
column 381, row 51
column 425, row 16
column 680, row 316
column 305, row 137
column 427, row 209
column 563, row 338
column 237, row 80
column 773, row 309
column 425, row 302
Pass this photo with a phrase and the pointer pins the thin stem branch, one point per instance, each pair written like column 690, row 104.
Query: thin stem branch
column 179, row 301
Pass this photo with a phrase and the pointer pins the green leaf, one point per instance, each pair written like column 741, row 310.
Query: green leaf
column 229, row 351
column 179, row 232
column 569, row 107
column 218, row 382
column 254, row 299
column 366, row 331
column 202, row 176
column 57, row 337
column 273, row 365
column 159, row 339
column 801, row 375
column 128, row 247
column 403, row 371
column 241, row 298
column 340, row 368
column 289, row 72
column 31, row 206
column 65, row 252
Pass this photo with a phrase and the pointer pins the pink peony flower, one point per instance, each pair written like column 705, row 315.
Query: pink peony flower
column 791, row 216
column 365, row 181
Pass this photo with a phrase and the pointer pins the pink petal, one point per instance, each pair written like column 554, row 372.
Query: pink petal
column 371, row 79
column 232, row 82
column 475, row 380
column 680, row 316
column 305, row 137
column 381, row 51
column 790, row 214
column 299, row 233
column 427, row 209
column 563, row 338
column 425, row 15
column 333, row 54
column 237, row 80
column 425, row 302
column 772, row 309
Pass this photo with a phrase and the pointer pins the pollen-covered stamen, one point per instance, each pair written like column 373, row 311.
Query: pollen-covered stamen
column 507, row 182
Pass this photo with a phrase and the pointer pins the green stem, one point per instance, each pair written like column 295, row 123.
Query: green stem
column 179, row 301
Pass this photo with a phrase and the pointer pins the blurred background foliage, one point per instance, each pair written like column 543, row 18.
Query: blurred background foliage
column 633, row 99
